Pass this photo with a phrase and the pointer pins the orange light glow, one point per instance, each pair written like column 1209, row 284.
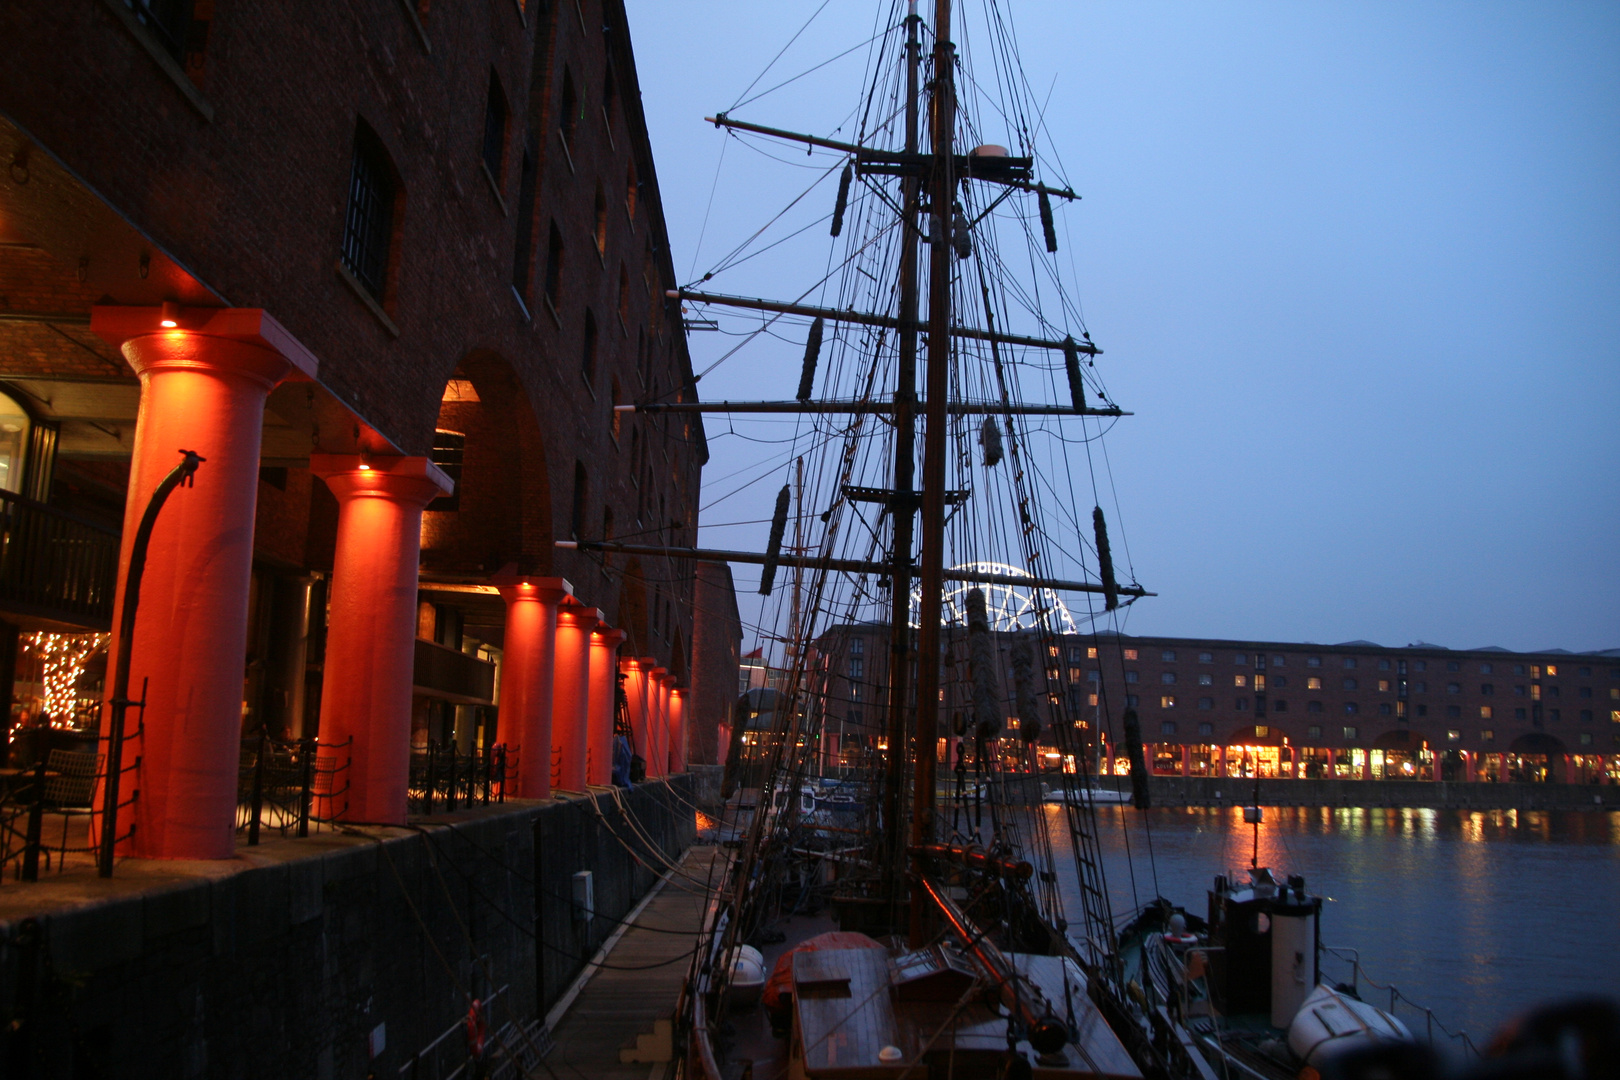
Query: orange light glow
column 170, row 323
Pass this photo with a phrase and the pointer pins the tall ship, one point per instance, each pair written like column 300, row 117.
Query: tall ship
column 911, row 879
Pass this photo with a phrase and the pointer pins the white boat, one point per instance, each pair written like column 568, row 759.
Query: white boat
column 1097, row 795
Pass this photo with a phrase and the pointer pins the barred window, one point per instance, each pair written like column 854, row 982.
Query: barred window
column 449, row 447
column 369, row 224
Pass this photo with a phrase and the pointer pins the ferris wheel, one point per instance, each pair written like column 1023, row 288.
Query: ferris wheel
column 1011, row 606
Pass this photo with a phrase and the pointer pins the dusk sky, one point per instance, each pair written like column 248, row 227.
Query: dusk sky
column 1355, row 267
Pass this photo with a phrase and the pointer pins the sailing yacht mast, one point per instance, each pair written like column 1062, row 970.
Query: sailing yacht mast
column 942, row 189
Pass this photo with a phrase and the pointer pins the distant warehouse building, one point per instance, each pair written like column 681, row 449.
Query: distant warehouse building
column 1355, row 710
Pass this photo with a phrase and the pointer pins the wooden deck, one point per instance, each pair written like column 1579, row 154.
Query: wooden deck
column 632, row 995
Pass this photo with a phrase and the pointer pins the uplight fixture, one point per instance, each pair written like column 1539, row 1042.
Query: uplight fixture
column 171, row 315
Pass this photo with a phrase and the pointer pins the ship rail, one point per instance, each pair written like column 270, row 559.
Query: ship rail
column 1432, row 1024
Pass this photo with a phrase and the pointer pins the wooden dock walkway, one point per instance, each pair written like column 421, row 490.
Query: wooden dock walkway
column 631, row 996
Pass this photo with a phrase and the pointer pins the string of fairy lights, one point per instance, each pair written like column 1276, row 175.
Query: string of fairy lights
column 62, row 660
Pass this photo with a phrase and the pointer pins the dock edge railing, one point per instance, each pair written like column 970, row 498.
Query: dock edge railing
column 1358, row 976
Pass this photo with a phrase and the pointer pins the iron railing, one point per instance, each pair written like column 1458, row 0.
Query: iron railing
column 52, row 563
column 54, row 810
column 288, row 785
column 443, row 780
column 1431, row 1026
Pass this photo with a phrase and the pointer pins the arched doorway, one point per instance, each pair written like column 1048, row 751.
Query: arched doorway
column 1400, row 755
column 1258, row 750
column 1534, row 758
column 498, row 519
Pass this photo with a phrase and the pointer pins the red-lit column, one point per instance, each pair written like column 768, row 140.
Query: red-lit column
column 205, row 375
column 1220, row 757
column 635, row 693
column 528, row 660
column 371, row 629
column 677, row 730
column 604, row 681
column 1186, row 760
column 657, row 718
column 570, row 695
column 1468, row 766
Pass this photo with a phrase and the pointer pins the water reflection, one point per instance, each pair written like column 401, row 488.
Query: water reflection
column 1474, row 912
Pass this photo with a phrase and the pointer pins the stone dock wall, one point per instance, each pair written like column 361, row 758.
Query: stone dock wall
column 342, row 955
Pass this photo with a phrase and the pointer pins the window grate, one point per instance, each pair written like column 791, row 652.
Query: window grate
column 369, row 224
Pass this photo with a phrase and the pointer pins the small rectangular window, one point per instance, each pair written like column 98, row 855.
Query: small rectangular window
column 1206, row 658
column 1313, row 682
column 1206, row 703
column 857, row 646
column 1350, row 734
column 495, row 129
column 1485, row 669
column 1130, row 654
column 1351, row 708
column 1261, row 731
column 1423, row 710
column 1206, row 679
column 1130, row 676
column 1132, row 701
column 1241, row 705
column 1313, row 661
column 1313, row 732
column 1383, row 686
column 1240, row 658
column 1487, row 735
column 1454, row 712
column 1349, row 662
column 368, row 225
column 1518, row 714
column 1420, row 665
column 1313, row 706
column 555, row 254
column 1168, row 656
column 449, row 448
column 1167, row 702
column 1453, row 735
column 1487, row 689
column 1383, row 665
column 1091, row 652
column 1280, row 705
column 1168, row 678
column 1240, row 680
column 1206, row 729
column 1167, row 727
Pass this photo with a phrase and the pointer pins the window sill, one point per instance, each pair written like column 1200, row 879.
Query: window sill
column 494, row 187
column 523, row 307
column 551, row 310
column 366, row 298
column 170, row 66
column 416, row 24
column 568, row 154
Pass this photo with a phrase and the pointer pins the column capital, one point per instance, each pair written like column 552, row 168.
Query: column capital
column 119, row 324
column 405, row 480
column 658, row 674
column 579, row 617
column 547, row 590
column 608, row 637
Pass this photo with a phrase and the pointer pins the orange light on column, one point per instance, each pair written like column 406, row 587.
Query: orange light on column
column 570, row 695
column 636, row 672
column 599, row 735
column 677, row 730
column 528, row 664
column 202, row 389
column 371, row 628
column 657, row 718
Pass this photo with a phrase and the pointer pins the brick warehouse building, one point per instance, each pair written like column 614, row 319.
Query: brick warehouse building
column 387, row 268
column 1355, row 710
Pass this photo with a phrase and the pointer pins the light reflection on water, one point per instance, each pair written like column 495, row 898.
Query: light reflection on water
column 1476, row 914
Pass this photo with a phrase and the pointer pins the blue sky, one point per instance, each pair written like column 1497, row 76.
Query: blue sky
column 1356, row 268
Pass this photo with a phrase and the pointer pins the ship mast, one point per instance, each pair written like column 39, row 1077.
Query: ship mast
column 903, row 504
column 942, row 187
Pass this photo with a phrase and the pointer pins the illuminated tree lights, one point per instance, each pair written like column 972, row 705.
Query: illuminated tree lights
column 62, row 659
